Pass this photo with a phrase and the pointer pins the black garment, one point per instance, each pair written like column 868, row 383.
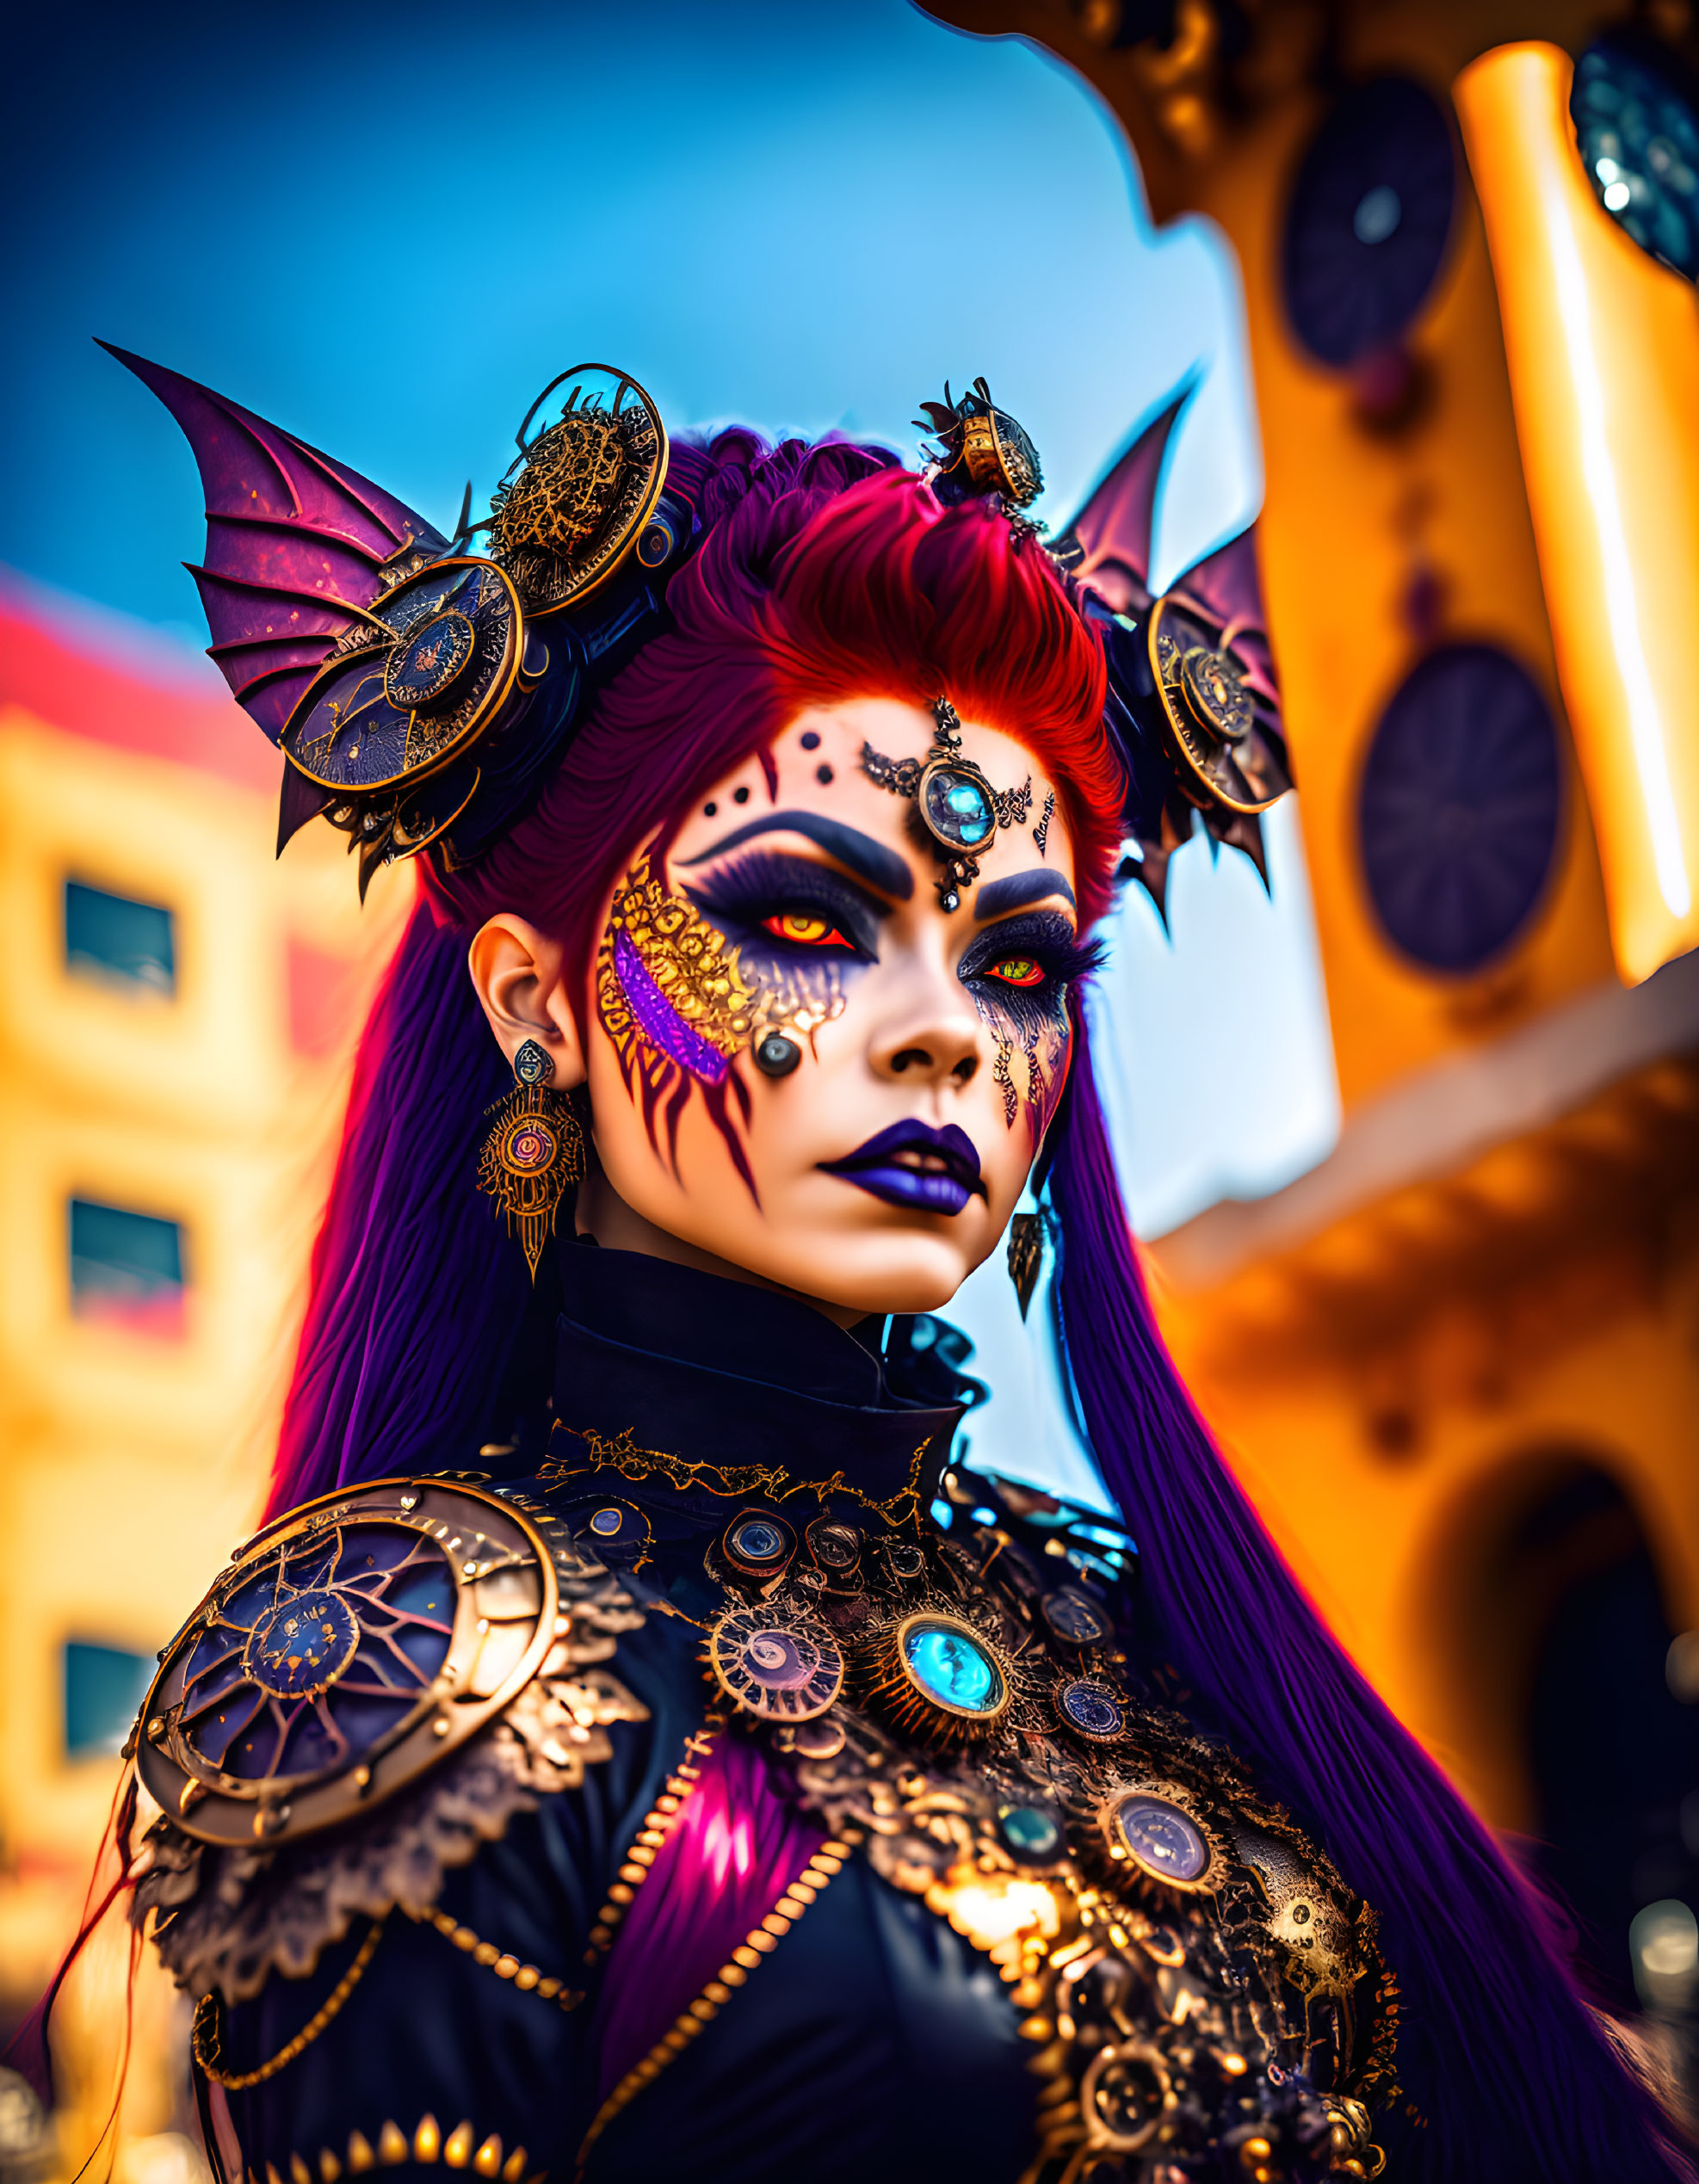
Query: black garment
column 876, row 2043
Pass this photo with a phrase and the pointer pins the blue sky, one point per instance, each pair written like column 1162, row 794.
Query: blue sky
column 389, row 231
column 805, row 218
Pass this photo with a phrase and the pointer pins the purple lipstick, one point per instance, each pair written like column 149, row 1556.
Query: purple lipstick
column 935, row 1171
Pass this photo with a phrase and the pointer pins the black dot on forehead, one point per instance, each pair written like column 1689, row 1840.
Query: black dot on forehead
column 810, row 741
column 823, row 774
column 708, row 811
column 740, row 796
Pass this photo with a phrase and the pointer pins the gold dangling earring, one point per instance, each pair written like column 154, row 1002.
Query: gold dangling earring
column 534, row 1152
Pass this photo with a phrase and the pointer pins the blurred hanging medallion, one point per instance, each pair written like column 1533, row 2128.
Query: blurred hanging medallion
column 582, row 493
column 411, row 685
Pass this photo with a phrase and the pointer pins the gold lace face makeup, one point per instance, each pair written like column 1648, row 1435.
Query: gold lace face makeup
column 670, row 982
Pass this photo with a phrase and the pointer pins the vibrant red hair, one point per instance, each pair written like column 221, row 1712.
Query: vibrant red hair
column 826, row 573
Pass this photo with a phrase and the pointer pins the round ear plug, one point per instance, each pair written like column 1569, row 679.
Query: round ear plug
column 778, row 1056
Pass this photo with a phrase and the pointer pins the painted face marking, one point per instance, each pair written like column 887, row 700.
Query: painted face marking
column 678, row 1006
column 1010, row 1103
column 1019, row 971
column 870, row 861
column 998, row 896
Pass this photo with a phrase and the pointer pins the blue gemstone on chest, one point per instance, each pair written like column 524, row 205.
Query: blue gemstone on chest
column 952, row 1669
column 1029, row 1831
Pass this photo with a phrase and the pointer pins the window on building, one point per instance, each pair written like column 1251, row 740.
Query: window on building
column 126, row 1269
column 110, row 938
column 104, row 1688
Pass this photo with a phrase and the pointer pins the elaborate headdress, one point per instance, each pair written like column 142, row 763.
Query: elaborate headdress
column 1193, row 700
column 422, row 693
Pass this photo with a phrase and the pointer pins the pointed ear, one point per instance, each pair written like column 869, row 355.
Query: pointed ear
column 518, row 974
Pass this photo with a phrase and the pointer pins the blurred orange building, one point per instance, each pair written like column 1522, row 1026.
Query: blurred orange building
column 1458, row 1363
column 175, row 1019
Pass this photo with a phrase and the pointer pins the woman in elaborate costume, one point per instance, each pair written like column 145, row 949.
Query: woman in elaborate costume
column 632, row 1749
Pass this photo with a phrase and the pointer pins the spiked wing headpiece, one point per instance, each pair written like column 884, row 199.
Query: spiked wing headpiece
column 420, row 693
column 1192, row 701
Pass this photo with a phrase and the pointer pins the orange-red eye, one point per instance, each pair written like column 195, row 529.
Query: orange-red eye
column 1018, row 971
column 805, row 929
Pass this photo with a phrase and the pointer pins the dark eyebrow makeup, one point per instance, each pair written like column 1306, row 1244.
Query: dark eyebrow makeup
column 998, row 896
column 859, row 853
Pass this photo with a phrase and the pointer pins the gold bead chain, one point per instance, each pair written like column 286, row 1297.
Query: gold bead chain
column 525, row 1976
column 646, row 1844
column 206, row 2037
column 828, row 1860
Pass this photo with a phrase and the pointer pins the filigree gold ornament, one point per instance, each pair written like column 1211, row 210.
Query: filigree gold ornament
column 671, row 988
column 958, row 809
column 940, row 1677
column 583, row 493
column 1216, row 721
column 981, row 449
column 534, row 1152
column 779, row 1663
column 295, row 1632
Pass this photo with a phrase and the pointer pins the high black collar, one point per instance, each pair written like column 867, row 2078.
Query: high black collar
column 675, row 1382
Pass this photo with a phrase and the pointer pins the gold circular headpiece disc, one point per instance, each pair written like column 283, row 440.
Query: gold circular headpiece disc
column 579, row 498
column 1211, row 712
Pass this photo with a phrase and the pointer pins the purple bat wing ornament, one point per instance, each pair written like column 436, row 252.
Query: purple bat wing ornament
column 1114, row 528
column 1193, row 699
column 298, row 547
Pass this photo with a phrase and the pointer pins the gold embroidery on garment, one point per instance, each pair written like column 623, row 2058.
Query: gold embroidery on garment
column 427, row 2143
column 1073, row 1942
column 729, row 1481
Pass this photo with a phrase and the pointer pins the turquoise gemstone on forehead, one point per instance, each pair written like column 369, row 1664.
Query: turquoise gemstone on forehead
column 958, row 809
column 969, row 805
column 954, row 1668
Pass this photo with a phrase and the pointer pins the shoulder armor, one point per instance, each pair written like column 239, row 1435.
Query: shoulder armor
column 424, row 1651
